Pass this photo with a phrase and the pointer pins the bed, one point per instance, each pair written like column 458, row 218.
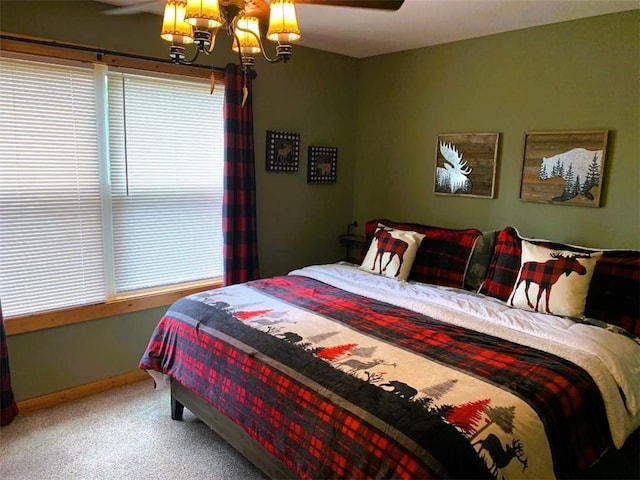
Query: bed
column 420, row 362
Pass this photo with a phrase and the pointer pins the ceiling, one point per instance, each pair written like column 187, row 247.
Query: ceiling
column 359, row 33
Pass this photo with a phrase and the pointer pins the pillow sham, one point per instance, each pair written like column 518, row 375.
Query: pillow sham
column 443, row 254
column 553, row 281
column 505, row 263
column 392, row 252
column 613, row 291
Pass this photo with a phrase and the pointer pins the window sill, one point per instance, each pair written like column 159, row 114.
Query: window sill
column 68, row 316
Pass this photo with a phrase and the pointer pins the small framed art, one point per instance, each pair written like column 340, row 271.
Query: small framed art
column 322, row 164
column 283, row 151
column 466, row 164
column 563, row 167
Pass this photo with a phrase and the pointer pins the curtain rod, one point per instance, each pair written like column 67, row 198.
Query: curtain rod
column 102, row 53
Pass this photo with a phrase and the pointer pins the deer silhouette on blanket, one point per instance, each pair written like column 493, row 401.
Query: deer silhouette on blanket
column 502, row 455
column 391, row 245
column 546, row 274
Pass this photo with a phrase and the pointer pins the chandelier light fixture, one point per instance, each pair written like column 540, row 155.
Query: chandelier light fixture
column 197, row 22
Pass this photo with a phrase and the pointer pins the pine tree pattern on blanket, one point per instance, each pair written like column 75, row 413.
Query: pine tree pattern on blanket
column 326, row 413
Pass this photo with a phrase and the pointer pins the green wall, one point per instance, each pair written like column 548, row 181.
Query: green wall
column 55, row 359
column 384, row 114
column 582, row 74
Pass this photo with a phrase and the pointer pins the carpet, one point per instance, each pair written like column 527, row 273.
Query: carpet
column 124, row 433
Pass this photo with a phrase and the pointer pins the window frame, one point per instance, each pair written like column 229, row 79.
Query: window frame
column 142, row 300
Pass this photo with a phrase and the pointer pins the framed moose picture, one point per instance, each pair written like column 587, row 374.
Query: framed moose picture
column 466, row 164
column 283, row 151
column 564, row 167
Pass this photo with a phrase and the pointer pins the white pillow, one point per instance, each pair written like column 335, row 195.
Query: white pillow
column 392, row 252
column 555, row 281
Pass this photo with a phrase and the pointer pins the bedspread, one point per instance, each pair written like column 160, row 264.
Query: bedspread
column 339, row 382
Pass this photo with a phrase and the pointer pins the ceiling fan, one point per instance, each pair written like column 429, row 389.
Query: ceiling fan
column 198, row 21
column 261, row 7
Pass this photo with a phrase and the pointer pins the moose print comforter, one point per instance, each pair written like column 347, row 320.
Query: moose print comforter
column 344, row 374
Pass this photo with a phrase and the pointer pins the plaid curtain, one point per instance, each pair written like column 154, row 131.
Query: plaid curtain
column 8, row 406
column 239, row 201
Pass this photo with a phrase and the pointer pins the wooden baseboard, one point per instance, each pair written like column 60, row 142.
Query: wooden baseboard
column 75, row 393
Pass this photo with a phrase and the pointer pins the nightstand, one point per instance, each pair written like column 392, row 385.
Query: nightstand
column 351, row 242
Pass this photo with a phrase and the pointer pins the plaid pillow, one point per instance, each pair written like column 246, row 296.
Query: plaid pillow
column 613, row 291
column 504, row 266
column 443, row 255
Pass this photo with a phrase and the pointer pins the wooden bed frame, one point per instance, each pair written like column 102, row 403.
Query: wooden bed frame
column 618, row 464
column 233, row 434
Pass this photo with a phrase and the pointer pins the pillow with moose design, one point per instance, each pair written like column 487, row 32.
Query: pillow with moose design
column 553, row 281
column 443, row 255
column 392, row 252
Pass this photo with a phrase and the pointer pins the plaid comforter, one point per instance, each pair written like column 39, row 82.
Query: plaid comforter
column 340, row 385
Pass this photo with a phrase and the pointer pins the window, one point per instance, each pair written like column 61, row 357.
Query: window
column 110, row 182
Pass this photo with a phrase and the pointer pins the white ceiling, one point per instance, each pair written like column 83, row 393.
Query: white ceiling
column 359, row 33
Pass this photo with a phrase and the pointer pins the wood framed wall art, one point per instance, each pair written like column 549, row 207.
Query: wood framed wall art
column 322, row 164
column 564, row 167
column 283, row 151
column 466, row 164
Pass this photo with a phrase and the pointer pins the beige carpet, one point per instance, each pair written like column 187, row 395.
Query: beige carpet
column 125, row 433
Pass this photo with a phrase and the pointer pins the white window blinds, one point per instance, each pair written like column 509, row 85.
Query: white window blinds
column 83, row 219
column 166, row 142
column 50, row 221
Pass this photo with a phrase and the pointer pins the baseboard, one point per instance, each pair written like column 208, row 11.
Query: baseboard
column 75, row 393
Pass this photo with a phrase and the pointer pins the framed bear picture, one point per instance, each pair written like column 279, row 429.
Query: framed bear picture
column 322, row 164
column 564, row 167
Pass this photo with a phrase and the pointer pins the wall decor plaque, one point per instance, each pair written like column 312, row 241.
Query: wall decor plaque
column 322, row 164
column 466, row 164
column 283, row 151
column 563, row 167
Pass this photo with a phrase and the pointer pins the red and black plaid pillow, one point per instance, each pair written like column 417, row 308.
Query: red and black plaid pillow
column 443, row 254
column 504, row 266
column 613, row 291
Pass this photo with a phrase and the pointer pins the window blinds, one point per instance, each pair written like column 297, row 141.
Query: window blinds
column 166, row 142
column 163, row 186
column 50, row 221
